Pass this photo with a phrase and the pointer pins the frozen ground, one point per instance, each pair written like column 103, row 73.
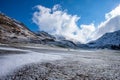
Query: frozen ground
column 58, row 64
column 10, row 62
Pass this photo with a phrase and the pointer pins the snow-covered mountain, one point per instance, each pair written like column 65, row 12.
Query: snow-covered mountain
column 44, row 35
column 14, row 31
column 56, row 40
column 110, row 25
column 63, row 43
column 108, row 40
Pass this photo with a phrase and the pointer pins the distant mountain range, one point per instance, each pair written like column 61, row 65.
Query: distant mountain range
column 13, row 31
column 108, row 40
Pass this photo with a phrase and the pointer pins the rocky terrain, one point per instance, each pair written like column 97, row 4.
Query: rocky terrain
column 14, row 31
column 73, row 65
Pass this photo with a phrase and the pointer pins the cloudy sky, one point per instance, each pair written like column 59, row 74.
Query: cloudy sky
column 80, row 20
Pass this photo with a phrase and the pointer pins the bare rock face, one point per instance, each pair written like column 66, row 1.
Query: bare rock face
column 14, row 31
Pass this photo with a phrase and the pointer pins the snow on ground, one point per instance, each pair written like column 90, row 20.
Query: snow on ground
column 11, row 49
column 60, row 65
column 10, row 62
column 41, row 47
column 74, row 65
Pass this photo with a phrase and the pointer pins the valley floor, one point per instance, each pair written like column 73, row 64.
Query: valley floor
column 45, row 63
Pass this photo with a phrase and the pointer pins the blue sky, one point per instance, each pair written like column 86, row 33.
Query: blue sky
column 89, row 11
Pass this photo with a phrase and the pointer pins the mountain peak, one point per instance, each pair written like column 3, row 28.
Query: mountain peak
column 107, row 40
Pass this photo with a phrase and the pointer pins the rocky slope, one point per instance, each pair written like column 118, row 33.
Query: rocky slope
column 14, row 31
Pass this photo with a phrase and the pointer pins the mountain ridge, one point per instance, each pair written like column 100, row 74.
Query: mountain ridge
column 13, row 31
column 108, row 40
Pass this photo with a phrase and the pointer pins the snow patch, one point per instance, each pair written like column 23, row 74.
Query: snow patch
column 9, row 63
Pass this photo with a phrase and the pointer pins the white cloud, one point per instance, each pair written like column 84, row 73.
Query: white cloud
column 111, row 24
column 56, row 7
column 58, row 22
column 115, row 12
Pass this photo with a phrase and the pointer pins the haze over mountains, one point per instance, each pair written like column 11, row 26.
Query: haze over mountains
column 13, row 31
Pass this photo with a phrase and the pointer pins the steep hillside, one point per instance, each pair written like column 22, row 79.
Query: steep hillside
column 108, row 40
column 14, row 31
